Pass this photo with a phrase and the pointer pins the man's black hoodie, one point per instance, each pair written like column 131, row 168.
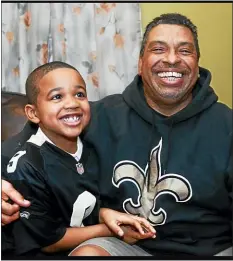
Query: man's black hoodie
column 176, row 171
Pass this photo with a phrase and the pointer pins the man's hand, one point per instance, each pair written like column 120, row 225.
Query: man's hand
column 10, row 212
column 114, row 219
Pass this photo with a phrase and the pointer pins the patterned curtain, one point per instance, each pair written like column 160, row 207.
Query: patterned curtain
column 101, row 40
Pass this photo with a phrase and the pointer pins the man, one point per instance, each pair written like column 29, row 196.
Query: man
column 164, row 148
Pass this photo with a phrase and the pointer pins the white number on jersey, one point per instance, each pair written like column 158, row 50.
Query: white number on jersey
column 11, row 167
column 82, row 208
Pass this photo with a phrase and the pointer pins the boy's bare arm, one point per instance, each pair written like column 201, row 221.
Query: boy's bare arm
column 112, row 226
column 76, row 235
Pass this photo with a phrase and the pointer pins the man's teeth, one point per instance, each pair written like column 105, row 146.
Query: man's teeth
column 71, row 119
column 170, row 74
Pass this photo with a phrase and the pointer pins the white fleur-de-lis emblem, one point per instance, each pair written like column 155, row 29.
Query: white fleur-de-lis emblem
column 149, row 190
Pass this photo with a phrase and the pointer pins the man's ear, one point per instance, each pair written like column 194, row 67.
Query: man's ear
column 140, row 66
column 30, row 111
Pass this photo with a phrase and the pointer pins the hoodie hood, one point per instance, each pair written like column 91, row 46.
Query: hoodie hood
column 203, row 97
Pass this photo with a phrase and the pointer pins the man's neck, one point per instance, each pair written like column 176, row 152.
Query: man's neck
column 168, row 109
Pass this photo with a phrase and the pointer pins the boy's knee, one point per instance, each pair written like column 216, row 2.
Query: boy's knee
column 89, row 250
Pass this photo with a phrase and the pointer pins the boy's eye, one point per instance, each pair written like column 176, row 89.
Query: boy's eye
column 80, row 94
column 56, row 97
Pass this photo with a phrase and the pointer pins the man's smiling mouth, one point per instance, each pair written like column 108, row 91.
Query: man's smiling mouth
column 172, row 75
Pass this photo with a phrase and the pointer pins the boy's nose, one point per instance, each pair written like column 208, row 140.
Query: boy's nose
column 71, row 103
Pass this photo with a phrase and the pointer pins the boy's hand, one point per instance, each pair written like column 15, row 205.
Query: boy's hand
column 131, row 236
column 113, row 219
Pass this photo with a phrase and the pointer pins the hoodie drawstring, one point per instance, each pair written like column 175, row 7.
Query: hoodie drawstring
column 168, row 147
column 151, row 146
column 149, row 153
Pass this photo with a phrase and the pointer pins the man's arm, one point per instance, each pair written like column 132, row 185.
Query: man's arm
column 229, row 172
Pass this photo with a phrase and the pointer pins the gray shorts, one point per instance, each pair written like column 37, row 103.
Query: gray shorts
column 115, row 247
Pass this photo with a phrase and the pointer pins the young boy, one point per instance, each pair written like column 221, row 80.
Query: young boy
column 57, row 172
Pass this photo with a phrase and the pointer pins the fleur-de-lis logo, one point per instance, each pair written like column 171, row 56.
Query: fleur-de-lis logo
column 149, row 189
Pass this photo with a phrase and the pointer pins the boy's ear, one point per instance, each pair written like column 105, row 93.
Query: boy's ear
column 30, row 111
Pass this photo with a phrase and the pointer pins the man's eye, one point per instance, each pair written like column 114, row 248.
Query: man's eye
column 157, row 50
column 56, row 97
column 185, row 51
column 80, row 94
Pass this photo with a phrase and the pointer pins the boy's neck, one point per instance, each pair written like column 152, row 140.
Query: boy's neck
column 70, row 146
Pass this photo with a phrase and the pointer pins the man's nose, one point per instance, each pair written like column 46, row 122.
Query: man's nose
column 171, row 57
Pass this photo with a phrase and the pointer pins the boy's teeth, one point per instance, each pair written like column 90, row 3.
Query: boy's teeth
column 170, row 74
column 71, row 119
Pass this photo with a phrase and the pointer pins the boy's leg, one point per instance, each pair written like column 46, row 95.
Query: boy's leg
column 107, row 246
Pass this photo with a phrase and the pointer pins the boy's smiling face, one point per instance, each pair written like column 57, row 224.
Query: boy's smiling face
column 62, row 109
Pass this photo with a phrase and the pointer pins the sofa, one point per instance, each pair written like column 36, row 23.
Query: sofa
column 13, row 116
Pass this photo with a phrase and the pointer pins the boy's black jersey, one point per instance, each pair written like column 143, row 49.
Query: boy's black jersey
column 62, row 191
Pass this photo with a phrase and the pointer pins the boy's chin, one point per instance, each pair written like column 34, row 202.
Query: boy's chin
column 73, row 135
